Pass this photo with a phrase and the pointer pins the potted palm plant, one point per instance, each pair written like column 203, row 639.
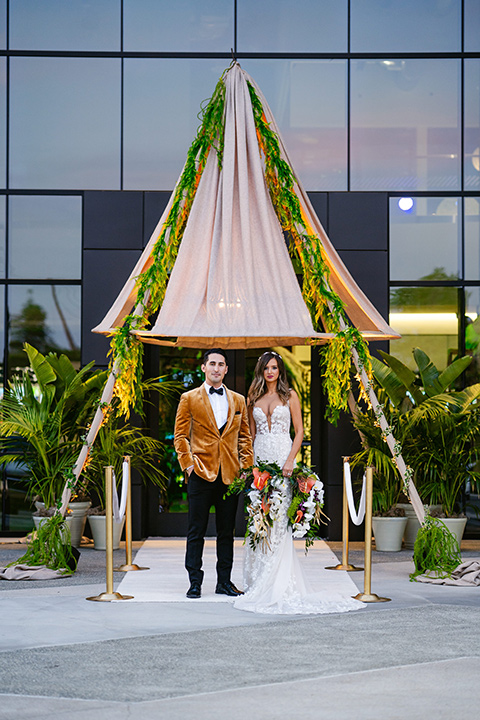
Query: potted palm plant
column 388, row 521
column 115, row 440
column 436, row 425
column 43, row 415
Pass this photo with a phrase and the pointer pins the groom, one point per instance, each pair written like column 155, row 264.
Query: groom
column 212, row 440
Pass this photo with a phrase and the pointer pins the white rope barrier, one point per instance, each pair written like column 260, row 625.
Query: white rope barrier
column 119, row 508
column 357, row 518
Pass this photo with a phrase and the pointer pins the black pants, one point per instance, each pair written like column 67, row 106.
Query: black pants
column 201, row 496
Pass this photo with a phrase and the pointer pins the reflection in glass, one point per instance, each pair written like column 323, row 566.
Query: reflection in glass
column 405, row 124
column 161, row 121
column 65, row 123
column 47, row 317
column 426, row 317
column 472, row 26
column 3, row 122
column 45, row 237
column 425, row 239
column 407, row 26
column 472, row 333
column 472, row 238
column 308, row 101
column 284, row 26
column 180, row 26
column 2, row 234
column 3, row 24
column 472, row 124
column 61, row 25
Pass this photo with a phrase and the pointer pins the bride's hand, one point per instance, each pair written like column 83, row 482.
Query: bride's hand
column 287, row 468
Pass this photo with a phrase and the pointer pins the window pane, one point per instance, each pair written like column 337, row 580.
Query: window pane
column 2, row 237
column 426, row 317
column 61, row 25
column 472, row 124
column 180, row 26
column 65, row 123
column 407, row 26
column 45, row 237
column 472, row 26
column 425, row 238
column 472, row 238
column 285, row 26
column 308, row 101
column 405, row 124
column 162, row 100
column 47, row 317
column 3, row 122
column 3, row 24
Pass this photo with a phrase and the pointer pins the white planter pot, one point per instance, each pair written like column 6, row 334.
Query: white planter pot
column 388, row 532
column 413, row 525
column 456, row 527
column 78, row 519
column 98, row 528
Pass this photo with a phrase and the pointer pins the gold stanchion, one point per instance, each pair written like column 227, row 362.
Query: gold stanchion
column 109, row 595
column 367, row 596
column 128, row 528
column 345, row 565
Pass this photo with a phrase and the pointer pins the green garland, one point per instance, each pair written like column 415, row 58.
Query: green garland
column 127, row 349
column 50, row 545
column 324, row 304
column 436, row 552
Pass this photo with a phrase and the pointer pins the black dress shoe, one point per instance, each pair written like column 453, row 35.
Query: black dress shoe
column 195, row 590
column 227, row 588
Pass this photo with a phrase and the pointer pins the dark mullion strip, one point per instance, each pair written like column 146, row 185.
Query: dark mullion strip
column 245, row 55
column 235, row 27
column 349, row 125
column 122, row 76
column 42, row 281
column 122, row 125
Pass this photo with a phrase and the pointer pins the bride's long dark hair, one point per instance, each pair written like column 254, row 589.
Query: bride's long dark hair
column 259, row 385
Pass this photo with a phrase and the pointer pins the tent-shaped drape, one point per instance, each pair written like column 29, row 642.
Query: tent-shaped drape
column 232, row 283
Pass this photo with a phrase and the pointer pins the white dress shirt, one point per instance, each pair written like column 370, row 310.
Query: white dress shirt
column 219, row 405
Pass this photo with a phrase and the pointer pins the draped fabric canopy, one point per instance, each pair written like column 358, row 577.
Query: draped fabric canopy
column 233, row 284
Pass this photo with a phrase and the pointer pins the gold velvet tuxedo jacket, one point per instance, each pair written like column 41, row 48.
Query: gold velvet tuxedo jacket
column 198, row 441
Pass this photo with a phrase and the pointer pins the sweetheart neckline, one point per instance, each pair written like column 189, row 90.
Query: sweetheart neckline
column 269, row 424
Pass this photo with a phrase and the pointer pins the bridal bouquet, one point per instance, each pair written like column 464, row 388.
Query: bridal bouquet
column 305, row 510
column 263, row 484
column 263, row 496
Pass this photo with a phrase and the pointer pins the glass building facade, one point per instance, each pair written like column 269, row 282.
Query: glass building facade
column 377, row 101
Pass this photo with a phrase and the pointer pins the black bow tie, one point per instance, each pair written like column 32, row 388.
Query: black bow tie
column 219, row 391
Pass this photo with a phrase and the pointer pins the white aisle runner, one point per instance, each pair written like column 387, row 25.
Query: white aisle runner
column 167, row 579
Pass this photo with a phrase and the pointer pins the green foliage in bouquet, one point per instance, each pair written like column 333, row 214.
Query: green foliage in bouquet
column 305, row 489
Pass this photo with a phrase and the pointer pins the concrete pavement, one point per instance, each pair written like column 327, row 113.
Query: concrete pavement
column 417, row 656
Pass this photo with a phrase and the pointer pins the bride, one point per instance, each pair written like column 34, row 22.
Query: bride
column 274, row 580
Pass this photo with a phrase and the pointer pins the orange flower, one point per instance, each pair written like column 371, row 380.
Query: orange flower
column 260, row 479
column 299, row 516
column 306, row 485
column 265, row 506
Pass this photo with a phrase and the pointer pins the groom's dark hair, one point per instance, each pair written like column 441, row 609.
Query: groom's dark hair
column 212, row 351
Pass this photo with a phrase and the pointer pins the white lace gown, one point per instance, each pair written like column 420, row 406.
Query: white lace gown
column 273, row 578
